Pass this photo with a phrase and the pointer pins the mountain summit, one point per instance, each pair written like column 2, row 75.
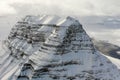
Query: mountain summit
column 53, row 48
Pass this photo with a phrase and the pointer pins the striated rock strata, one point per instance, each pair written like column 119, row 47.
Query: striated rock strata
column 53, row 48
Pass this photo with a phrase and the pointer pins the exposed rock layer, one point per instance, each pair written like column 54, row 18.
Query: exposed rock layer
column 53, row 48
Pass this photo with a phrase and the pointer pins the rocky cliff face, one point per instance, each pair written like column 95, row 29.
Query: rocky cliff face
column 53, row 48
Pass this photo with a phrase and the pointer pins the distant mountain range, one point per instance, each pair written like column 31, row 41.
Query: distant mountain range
column 107, row 48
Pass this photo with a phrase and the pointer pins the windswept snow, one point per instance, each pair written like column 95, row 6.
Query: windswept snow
column 114, row 61
column 53, row 48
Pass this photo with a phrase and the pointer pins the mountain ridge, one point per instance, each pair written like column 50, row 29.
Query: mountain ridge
column 53, row 48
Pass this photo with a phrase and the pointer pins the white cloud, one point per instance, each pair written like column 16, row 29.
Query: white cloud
column 109, row 35
column 77, row 7
column 6, row 9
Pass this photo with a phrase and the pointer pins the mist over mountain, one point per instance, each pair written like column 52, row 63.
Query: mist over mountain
column 107, row 48
column 39, row 41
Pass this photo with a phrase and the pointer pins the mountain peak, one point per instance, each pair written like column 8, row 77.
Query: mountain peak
column 52, row 47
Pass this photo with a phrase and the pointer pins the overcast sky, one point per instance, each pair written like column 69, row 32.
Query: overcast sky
column 101, row 27
column 77, row 7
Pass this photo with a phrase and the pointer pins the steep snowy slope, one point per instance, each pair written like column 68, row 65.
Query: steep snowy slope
column 53, row 48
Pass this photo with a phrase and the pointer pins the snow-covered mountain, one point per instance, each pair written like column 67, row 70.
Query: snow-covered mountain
column 53, row 48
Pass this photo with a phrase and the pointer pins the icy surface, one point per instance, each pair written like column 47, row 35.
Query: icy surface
column 53, row 48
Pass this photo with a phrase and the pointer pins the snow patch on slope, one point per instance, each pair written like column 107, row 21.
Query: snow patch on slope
column 51, row 47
